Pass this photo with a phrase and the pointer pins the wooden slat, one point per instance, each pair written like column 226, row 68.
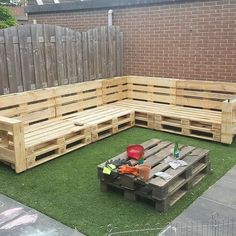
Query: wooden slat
column 199, row 103
column 203, row 94
column 157, row 81
column 121, row 53
column 19, row 147
column 79, row 56
column 86, row 65
column 61, row 52
column 111, row 50
column 207, row 86
column 70, row 56
column 90, row 54
column 26, row 54
column 97, row 61
column 104, row 51
column 39, row 56
column 13, row 59
column 50, row 54
column 4, row 83
column 118, row 51
column 227, row 123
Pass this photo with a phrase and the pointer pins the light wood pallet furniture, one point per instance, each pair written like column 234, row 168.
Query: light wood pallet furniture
column 163, row 193
column 38, row 126
column 200, row 109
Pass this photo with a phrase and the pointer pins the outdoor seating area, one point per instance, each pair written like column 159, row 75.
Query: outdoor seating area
column 37, row 126
column 137, row 98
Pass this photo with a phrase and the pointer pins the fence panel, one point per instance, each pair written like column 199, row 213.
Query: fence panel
column 39, row 56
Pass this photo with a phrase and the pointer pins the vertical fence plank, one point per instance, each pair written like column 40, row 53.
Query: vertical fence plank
column 112, row 50
column 60, row 52
column 95, row 53
column 26, row 55
column 85, row 56
column 79, row 56
column 69, row 56
column 99, row 53
column 4, row 85
column 50, row 54
column 91, row 54
column 13, row 60
column 39, row 55
column 114, row 72
column 104, row 52
column 121, row 52
column 118, row 55
column 74, row 76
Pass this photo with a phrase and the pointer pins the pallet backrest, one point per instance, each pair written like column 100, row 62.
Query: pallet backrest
column 30, row 107
column 114, row 89
column 44, row 104
column 152, row 89
column 204, row 94
column 72, row 98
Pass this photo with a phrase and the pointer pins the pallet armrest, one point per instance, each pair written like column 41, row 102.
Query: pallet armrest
column 228, row 128
column 12, row 146
column 233, row 101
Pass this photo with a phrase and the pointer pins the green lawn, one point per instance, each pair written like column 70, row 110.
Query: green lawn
column 67, row 189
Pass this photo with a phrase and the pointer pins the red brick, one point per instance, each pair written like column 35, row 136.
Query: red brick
column 186, row 40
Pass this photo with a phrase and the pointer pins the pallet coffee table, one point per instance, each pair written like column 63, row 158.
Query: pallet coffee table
column 163, row 193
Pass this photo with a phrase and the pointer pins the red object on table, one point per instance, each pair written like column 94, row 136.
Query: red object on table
column 135, row 151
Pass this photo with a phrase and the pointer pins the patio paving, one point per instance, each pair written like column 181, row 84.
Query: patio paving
column 217, row 204
column 17, row 219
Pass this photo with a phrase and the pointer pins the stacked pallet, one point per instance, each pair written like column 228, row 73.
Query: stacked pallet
column 163, row 193
column 176, row 119
column 56, row 137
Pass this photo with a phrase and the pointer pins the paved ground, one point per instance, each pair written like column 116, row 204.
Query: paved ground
column 19, row 220
column 216, row 207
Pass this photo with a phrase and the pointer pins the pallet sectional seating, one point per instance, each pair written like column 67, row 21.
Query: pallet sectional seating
column 39, row 125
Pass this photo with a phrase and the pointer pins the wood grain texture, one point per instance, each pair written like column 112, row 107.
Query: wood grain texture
column 40, row 56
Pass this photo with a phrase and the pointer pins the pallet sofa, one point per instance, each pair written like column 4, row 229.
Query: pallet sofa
column 40, row 125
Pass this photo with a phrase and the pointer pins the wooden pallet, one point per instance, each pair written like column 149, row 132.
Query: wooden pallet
column 176, row 119
column 48, row 140
column 114, row 89
column 152, row 89
column 164, row 193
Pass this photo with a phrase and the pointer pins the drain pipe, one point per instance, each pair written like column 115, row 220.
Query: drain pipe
column 110, row 14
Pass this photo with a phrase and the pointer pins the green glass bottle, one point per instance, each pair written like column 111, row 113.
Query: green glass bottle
column 176, row 150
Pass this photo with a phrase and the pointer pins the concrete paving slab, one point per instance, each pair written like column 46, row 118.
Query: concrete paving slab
column 223, row 192
column 214, row 213
column 17, row 219
column 203, row 209
column 230, row 176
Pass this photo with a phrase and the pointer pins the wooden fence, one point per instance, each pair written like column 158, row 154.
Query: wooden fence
column 38, row 56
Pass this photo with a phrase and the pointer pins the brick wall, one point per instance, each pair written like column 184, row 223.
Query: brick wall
column 186, row 40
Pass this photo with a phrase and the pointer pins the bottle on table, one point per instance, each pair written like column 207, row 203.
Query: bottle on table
column 176, row 150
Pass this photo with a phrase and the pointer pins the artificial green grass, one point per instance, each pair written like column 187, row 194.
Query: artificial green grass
column 67, row 188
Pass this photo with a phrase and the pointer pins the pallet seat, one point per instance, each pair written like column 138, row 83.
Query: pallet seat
column 175, row 119
column 55, row 137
